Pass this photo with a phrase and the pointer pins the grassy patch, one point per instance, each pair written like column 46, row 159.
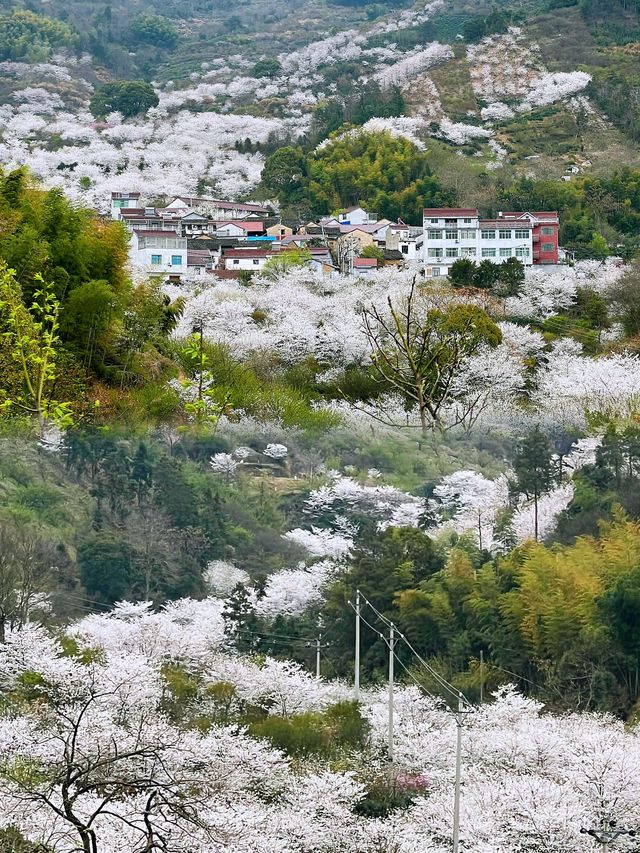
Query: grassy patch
column 551, row 131
column 453, row 82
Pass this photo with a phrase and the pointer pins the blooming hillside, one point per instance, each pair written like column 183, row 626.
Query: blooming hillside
column 135, row 730
column 47, row 126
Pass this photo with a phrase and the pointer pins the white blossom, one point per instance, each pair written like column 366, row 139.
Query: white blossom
column 275, row 451
column 224, row 463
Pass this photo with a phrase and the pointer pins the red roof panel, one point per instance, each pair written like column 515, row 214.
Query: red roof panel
column 445, row 212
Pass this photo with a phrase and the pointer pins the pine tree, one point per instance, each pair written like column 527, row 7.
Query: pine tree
column 534, row 468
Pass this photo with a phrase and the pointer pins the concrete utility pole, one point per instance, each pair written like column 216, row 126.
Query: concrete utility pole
column 356, row 678
column 318, row 658
column 456, row 796
column 319, row 645
column 608, row 832
column 390, row 732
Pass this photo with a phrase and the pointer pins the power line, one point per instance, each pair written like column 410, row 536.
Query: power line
column 446, row 685
column 419, row 684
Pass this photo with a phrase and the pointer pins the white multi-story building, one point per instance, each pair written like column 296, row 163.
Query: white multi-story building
column 120, row 201
column 158, row 253
column 453, row 233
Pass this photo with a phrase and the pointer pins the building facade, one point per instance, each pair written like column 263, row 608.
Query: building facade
column 545, row 225
column 120, row 201
column 251, row 260
column 453, row 233
column 158, row 253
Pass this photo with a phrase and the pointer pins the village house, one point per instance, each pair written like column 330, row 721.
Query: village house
column 356, row 215
column 299, row 240
column 406, row 239
column 279, row 231
column 377, row 230
column 242, row 229
column 199, row 262
column 158, row 252
column 394, row 258
column 218, row 209
column 251, row 260
column 194, row 224
column 321, row 261
column 123, row 201
column 364, row 267
column 327, row 228
column 453, row 233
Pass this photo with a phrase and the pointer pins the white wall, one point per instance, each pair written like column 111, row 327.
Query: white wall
column 251, row 264
column 355, row 217
column 452, row 248
column 143, row 252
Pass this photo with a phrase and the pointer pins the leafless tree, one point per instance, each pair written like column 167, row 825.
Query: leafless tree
column 26, row 565
column 417, row 351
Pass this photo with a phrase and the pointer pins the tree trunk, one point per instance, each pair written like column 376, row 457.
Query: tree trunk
column 535, row 515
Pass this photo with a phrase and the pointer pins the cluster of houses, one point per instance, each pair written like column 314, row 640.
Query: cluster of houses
column 199, row 236
column 192, row 237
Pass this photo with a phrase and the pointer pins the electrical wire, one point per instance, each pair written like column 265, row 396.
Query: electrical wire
column 440, row 679
column 446, row 685
column 431, row 695
column 369, row 625
column 83, row 598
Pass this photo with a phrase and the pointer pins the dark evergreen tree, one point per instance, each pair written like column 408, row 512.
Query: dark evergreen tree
column 462, row 273
column 534, row 468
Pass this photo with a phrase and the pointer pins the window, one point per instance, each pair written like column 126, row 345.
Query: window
column 156, row 259
column 404, row 249
column 488, row 235
column 505, row 253
column 435, row 253
column 468, row 252
column 547, row 231
column 256, row 262
column 468, row 234
column 117, row 202
column 522, row 252
column 235, row 261
column 176, row 260
column 548, row 247
column 435, row 235
column 467, row 222
column 436, row 271
column 504, row 234
column 434, row 221
column 452, row 253
column 451, row 235
column 488, row 253
column 522, row 233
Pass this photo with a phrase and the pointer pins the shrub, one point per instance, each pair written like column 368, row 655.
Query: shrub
column 155, row 30
column 129, row 97
column 341, row 727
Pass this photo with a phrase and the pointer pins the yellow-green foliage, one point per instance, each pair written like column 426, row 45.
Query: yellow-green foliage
column 329, row 733
column 26, row 35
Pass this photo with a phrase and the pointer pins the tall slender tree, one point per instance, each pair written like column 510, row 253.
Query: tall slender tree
column 534, row 468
